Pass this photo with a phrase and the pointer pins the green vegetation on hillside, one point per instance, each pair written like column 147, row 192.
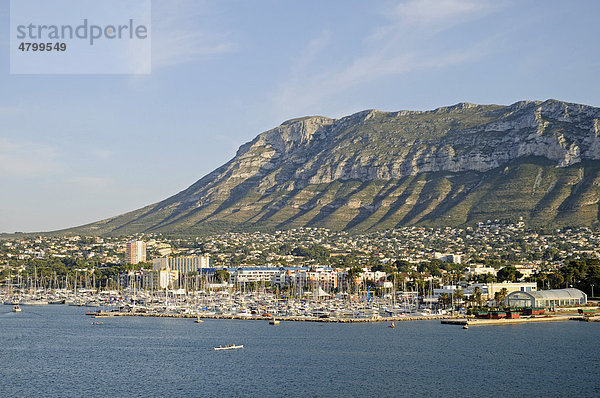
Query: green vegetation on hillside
column 374, row 170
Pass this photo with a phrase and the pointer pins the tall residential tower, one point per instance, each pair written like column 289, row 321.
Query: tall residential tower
column 135, row 252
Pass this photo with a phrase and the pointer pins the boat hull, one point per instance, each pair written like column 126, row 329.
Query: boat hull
column 233, row 347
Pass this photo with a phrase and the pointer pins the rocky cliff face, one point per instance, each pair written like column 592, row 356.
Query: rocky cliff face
column 307, row 170
column 466, row 137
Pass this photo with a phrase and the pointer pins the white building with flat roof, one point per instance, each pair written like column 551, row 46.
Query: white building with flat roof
column 253, row 274
column 184, row 265
column 448, row 258
column 480, row 270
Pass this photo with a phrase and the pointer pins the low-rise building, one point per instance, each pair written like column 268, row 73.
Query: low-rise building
column 546, row 298
column 448, row 258
column 489, row 290
column 245, row 275
column 479, row 269
column 526, row 271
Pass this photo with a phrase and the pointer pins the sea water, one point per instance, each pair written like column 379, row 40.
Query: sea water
column 55, row 351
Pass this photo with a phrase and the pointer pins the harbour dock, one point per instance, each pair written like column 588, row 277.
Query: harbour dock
column 101, row 314
column 537, row 319
column 444, row 319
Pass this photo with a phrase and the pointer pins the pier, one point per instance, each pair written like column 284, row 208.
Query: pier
column 537, row 319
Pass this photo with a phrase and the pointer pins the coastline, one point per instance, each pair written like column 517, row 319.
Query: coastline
column 445, row 319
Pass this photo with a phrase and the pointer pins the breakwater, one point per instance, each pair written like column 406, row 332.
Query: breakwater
column 101, row 314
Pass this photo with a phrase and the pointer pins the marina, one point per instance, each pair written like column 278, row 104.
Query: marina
column 235, row 305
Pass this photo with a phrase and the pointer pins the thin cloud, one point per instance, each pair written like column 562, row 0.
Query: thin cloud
column 92, row 183
column 178, row 36
column 9, row 110
column 312, row 51
column 27, row 160
column 402, row 45
column 426, row 13
column 101, row 153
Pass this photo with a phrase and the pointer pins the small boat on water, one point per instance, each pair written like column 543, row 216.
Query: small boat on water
column 228, row 347
column 392, row 325
column 273, row 322
column 198, row 320
column 465, row 326
column 16, row 308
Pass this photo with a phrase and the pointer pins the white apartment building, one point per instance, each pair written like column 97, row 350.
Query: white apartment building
column 184, row 265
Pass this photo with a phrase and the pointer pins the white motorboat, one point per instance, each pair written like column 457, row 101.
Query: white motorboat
column 228, row 347
column 16, row 308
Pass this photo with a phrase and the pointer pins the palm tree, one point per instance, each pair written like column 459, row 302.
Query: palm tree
column 477, row 296
column 458, row 295
column 503, row 293
column 444, row 299
column 500, row 296
column 352, row 275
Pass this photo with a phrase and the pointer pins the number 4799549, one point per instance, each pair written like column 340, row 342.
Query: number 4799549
column 43, row 46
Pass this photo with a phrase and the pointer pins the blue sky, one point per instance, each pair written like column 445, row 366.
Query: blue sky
column 79, row 148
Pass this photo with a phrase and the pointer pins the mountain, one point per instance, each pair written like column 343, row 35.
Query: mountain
column 374, row 170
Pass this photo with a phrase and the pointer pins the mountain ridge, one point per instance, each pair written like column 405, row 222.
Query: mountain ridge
column 374, row 170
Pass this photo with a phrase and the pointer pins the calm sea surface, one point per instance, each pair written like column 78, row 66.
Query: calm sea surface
column 53, row 351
